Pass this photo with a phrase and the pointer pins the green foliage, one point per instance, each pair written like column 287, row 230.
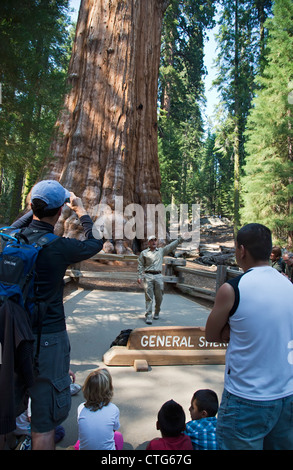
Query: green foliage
column 269, row 163
column 181, row 98
column 206, row 168
column 240, row 40
column 223, row 146
column 34, row 54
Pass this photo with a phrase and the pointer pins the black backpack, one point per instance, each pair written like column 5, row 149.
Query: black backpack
column 121, row 339
column 17, row 270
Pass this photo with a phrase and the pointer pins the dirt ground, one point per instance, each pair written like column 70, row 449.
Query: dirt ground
column 214, row 232
column 217, row 232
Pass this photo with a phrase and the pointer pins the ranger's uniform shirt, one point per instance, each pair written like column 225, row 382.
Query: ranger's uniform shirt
column 152, row 261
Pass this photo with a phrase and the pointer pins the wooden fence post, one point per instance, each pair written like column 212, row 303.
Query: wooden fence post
column 221, row 276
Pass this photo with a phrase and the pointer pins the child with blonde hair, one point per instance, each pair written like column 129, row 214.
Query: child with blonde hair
column 98, row 418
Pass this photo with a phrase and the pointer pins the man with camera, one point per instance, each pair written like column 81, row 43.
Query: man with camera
column 50, row 394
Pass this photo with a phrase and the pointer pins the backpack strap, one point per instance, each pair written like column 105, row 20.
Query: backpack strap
column 27, row 235
column 42, row 310
column 36, row 237
column 42, row 306
column 47, row 239
column 42, row 240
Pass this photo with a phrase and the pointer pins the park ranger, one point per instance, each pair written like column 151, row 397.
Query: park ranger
column 150, row 263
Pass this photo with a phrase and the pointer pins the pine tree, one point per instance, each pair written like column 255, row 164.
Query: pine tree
column 240, row 41
column 223, row 146
column 181, row 98
column 34, row 54
column 268, row 186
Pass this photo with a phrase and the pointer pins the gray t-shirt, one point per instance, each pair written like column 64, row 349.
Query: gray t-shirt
column 96, row 428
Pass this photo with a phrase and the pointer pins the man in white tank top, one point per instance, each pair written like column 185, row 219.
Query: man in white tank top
column 254, row 313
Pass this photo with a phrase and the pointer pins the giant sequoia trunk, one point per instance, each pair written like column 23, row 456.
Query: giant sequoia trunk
column 106, row 144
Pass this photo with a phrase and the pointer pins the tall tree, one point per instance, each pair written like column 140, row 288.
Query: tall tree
column 268, row 183
column 107, row 133
column 181, row 96
column 223, row 151
column 240, row 42
column 34, row 59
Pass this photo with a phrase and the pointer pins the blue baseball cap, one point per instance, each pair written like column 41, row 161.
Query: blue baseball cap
column 51, row 192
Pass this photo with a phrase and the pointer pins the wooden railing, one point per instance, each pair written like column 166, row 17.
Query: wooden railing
column 222, row 274
column 175, row 268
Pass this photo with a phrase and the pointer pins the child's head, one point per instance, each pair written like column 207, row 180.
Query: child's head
column 98, row 389
column 171, row 419
column 204, row 404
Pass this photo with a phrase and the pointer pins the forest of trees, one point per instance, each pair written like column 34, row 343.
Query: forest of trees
column 239, row 164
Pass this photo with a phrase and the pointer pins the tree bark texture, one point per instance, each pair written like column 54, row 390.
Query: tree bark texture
column 106, row 140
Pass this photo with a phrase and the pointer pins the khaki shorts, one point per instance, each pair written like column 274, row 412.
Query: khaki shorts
column 50, row 395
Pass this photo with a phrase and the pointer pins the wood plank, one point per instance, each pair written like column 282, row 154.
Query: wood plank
column 115, row 257
column 197, row 291
column 109, row 274
column 171, row 279
column 197, row 272
column 121, row 356
column 175, row 261
column 132, row 257
column 141, row 365
column 114, row 275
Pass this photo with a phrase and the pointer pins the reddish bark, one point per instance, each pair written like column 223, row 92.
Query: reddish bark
column 106, row 144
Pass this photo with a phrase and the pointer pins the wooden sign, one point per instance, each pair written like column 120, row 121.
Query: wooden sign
column 166, row 346
column 171, row 337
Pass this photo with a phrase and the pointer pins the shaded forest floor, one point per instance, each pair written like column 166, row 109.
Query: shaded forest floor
column 216, row 231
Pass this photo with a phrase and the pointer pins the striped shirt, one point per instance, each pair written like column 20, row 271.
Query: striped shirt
column 202, row 433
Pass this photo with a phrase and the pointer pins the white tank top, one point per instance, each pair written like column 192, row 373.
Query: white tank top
column 259, row 358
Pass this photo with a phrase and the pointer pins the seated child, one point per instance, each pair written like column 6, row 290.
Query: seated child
column 98, row 418
column 202, row 427
column 22, row 432
column 171, row 423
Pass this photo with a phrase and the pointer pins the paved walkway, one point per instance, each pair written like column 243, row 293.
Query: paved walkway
column 94, row 319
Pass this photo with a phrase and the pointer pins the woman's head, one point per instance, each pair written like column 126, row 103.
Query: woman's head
column 98, row 389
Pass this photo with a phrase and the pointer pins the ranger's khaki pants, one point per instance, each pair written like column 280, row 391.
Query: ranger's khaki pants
column 153, row 288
